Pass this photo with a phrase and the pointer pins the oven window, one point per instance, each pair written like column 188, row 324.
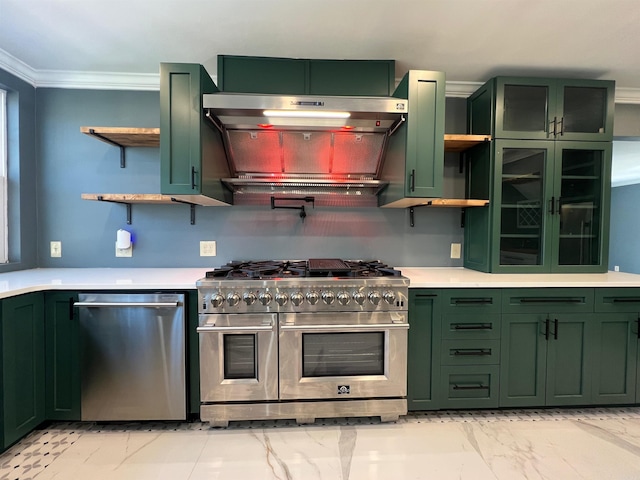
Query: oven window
column 339, row 354
column 240, row 356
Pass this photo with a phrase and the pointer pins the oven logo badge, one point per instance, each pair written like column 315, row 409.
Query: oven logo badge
column 344, row 389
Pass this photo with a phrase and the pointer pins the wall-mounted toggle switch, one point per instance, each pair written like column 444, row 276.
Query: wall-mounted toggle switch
column 56, row 248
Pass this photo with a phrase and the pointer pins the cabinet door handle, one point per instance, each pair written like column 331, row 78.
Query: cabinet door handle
column 554, row 122
column 193, row 178
column 550, row 300
column 555, row 329
column 561, row 122
column 426, row 295
column 470, row 387
column 626, row 300
column 412, row 180
column 552, row 203
column 473, row 301
column 638, row 328
column 546, row 329
column 472, row 326
column 471, row 352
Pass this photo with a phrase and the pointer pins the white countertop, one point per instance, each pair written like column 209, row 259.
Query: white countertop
column 434, row 277
column 25, row 281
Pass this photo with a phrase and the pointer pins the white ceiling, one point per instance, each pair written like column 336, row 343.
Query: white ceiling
column 120, row 43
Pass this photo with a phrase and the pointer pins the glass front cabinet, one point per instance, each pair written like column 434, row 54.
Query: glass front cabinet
column 543, row 109
column 549, row 207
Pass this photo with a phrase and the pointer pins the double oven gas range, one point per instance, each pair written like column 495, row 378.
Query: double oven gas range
column 302, row 340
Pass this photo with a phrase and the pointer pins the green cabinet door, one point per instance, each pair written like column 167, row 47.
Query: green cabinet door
column 543, row 109
column 614, row 358
column 62, row 352
column 262, row 74
column 23, row 376
column 189, row 143
column 568, row 375
column 423, row 349
column 299, row 76
column 415, row 152
column 523, row 352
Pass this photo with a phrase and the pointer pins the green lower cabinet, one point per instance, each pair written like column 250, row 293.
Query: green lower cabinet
column 545, row 359
column 423, row 349
column 62, row 353
column 193, row 355
column 615, row 358
column 467, row 386
column 23, row 364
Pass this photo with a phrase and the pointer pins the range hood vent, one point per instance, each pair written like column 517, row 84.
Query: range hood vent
column 311, row 145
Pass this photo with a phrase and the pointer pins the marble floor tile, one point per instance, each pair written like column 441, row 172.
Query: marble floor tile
column 558, row 444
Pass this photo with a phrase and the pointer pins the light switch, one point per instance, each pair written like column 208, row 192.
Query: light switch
column 56, row 249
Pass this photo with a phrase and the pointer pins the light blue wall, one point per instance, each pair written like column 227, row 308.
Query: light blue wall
column 21, row 174
column 624, row 247
column 70, row 163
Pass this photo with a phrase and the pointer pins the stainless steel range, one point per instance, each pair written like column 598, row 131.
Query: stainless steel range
column 303, row 340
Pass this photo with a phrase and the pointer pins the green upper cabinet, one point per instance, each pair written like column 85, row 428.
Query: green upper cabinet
column 543, row 109
column 190, row 146
column 23, row 366
column 297, row 76
column 415, row 152
column 549, row 207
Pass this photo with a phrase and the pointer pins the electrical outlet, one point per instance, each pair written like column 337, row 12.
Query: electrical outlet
column 455, row 250
column 56, row 249
column 124, row 252
column 208, row 248
column 615, row 269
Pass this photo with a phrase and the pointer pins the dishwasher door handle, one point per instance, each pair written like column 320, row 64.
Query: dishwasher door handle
column 127, row 304
column 243, row 329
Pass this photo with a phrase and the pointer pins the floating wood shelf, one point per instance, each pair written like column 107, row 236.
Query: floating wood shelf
column 130, row 198
column 460, row 143
column 125, row 137
column 455, row 202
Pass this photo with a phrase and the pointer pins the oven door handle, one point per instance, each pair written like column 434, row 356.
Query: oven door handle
column 264, row 328
column 343, row 328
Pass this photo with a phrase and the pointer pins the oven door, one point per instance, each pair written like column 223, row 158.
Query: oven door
column 343, row 356
column 238, row 357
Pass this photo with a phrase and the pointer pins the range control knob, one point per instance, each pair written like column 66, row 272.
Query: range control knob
column 328, row 297
column 374, row 297
column 233, row 299
column 389, row 297
column 281, row 298
column 344, row 298
column 297, row 298
column 249, row 298
column 359, row 297
column 217, row 300
column 313, row 297
column 264, row 298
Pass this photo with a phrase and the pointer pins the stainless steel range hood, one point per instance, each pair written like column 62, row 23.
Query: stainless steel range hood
column 305, row 145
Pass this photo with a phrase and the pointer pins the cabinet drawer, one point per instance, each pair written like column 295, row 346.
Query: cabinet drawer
column 476, row 300
column 469, row 387
column 471, row 326
column 543, row 300
column 470, row 352
column 617, row 300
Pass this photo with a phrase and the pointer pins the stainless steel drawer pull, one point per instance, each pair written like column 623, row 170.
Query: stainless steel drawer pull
column 470, row 387
column 477, row 352
column 265, row 328
column 127, row 304
column 473, row 326
column 367, row 326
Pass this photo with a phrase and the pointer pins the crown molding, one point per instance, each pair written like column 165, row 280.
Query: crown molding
column 151, row 81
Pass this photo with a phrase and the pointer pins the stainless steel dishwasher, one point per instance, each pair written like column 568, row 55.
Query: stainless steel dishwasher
column 133, row 356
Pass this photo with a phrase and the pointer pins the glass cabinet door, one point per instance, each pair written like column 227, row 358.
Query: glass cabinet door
column 521, row 169
column 524, row 108
column 585, row 110
column 580, row 208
